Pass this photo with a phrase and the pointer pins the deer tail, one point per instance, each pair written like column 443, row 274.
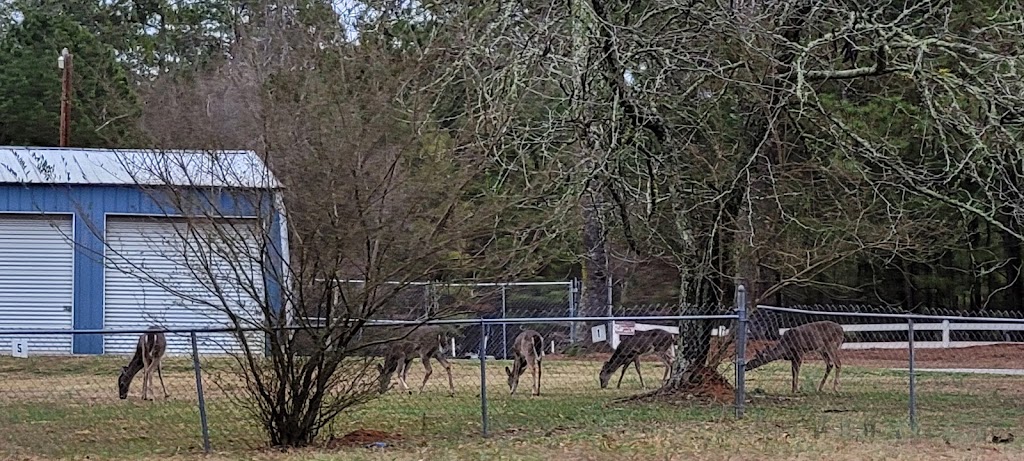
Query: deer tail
column 538, row 346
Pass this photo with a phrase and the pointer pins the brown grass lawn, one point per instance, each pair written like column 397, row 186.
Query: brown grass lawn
column 55, row 408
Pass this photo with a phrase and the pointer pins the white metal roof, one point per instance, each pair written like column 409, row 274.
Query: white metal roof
column 58, row 165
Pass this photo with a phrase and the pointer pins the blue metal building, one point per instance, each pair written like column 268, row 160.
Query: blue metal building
column 93, row 238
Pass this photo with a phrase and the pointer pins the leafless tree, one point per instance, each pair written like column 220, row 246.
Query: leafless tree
column 373, row 189
column 729, row 139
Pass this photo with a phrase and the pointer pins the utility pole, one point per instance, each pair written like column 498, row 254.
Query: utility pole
column 64, row 62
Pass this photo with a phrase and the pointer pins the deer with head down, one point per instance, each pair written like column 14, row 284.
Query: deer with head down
column 425, row 342
column 149, row 353
column 527, row 350
column 657, row 341
column 822, row 337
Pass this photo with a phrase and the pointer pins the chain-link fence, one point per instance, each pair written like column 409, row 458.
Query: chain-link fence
column 940, row 373
column 887, row 372
column 420, row 300
column 52, row 402
column 78, row 398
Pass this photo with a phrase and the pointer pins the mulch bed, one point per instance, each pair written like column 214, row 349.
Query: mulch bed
column 706, row 385
column 710, row 385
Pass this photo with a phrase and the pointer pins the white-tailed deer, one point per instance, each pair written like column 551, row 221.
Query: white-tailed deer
column 149, row 353
column 656, row 341
column 424, row 342
column 527, row 350
column 822, row 337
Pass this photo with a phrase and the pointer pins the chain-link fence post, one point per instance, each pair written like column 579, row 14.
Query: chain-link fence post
column 572, row 310
column 504, row 331
column 913, row 384
column 608, row 283
column 199, row 392
column 428, row 296
column 483, row 378
column 741, row 348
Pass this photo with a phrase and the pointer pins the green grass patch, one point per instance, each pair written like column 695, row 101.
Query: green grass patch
column 68, row 407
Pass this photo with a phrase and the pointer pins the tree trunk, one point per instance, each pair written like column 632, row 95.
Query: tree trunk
column 1012, row 250
column 991, row 276
column 594, row 301
column 907, row 283
column 974, row 239
column 1011, row 245
column 751, row 225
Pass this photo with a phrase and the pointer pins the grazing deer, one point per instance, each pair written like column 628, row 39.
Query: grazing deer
column 426, row 343
column 823, row 337
column 149, row 353
column 528, row 350
column 657, row 341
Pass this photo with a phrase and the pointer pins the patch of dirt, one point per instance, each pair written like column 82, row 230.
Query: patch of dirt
column 993, row 356
column 361, row 438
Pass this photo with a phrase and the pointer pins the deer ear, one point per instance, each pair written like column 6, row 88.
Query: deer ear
column 508, row 372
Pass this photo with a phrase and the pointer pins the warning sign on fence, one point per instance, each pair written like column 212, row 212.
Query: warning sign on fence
column 625, row 328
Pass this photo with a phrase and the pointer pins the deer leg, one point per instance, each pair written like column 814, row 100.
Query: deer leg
column 835, row 377
column 624, row 368
column 517, row 367
column 668, row 365
column 160, row 374
column 540, row 370
column 448, row 369
column 429, row 370
column 636, row 364
column 536, row 377
column 796, row 374
column 145, row 377
column 403, row 368
column 828, row 368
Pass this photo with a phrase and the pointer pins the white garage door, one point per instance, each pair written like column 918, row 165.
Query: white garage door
column 36, row 274
column 180, row 275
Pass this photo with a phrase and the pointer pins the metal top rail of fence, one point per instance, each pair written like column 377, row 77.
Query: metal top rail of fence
column 459, row 284
column 465, row 321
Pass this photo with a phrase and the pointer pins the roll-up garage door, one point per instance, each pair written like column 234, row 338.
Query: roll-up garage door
column 36, row 280
column 178, row 274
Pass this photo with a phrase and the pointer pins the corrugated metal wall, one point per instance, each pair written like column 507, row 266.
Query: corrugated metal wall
column 91, row 206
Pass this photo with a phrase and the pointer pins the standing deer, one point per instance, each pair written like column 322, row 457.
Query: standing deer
column 657, row 341
column 823, row 337
column 424, row 342
column 528, row 350
column 149, row 353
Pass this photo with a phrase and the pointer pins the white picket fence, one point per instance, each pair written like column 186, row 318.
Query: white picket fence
column 944, row 326
column 619, row 329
